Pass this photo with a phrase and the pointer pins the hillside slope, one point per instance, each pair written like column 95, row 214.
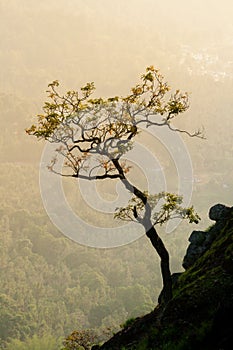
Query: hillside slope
column 200, row 315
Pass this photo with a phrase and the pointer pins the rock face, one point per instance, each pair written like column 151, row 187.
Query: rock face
column 200, row 241
column 200, row 314
column 219, row 212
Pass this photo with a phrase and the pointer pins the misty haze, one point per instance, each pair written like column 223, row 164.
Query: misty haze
column 57, row 275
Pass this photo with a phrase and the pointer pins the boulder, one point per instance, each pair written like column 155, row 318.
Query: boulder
column 219, row 212
column 200, row 241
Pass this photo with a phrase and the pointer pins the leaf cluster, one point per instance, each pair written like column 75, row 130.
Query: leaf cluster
column 79, row 339
column 164, row 206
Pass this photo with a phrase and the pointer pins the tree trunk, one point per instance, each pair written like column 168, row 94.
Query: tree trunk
column 164, row 260
column 151, row 233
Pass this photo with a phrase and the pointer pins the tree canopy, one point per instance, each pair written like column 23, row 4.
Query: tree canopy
column 94, row 134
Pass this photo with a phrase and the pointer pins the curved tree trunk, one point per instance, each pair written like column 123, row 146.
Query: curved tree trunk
column 151, row 233
column 157, row 243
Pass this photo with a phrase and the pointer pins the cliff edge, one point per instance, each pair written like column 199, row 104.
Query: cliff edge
column 200, row 314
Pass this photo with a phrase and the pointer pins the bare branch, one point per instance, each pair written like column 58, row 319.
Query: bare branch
column 198, row 133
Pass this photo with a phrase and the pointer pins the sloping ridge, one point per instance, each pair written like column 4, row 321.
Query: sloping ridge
column 200, row 315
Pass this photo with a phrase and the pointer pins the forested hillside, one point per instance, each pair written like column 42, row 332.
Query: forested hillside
column 49, row 284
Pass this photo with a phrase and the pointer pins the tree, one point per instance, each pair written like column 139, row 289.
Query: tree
column 95, row 133
column 80, row 340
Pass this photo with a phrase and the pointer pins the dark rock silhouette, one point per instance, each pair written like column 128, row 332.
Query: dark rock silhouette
column 200, row 314
column 200, row 241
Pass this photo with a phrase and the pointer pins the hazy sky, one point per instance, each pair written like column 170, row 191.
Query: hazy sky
column 111, row 42
column 108, row 41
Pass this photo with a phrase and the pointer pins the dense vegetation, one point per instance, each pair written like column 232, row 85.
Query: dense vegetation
column 49, row 284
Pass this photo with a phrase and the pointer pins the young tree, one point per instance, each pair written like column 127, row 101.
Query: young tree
column 80, row 340
column 94, row 134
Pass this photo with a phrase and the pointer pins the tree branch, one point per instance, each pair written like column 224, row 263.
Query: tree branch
column 198, row 133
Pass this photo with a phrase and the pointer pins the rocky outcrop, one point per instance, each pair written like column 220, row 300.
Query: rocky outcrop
column 219, row 212
column 200, row 241
column 200, row 314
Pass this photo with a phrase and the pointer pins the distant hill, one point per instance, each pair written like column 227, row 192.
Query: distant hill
column 200, row 315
